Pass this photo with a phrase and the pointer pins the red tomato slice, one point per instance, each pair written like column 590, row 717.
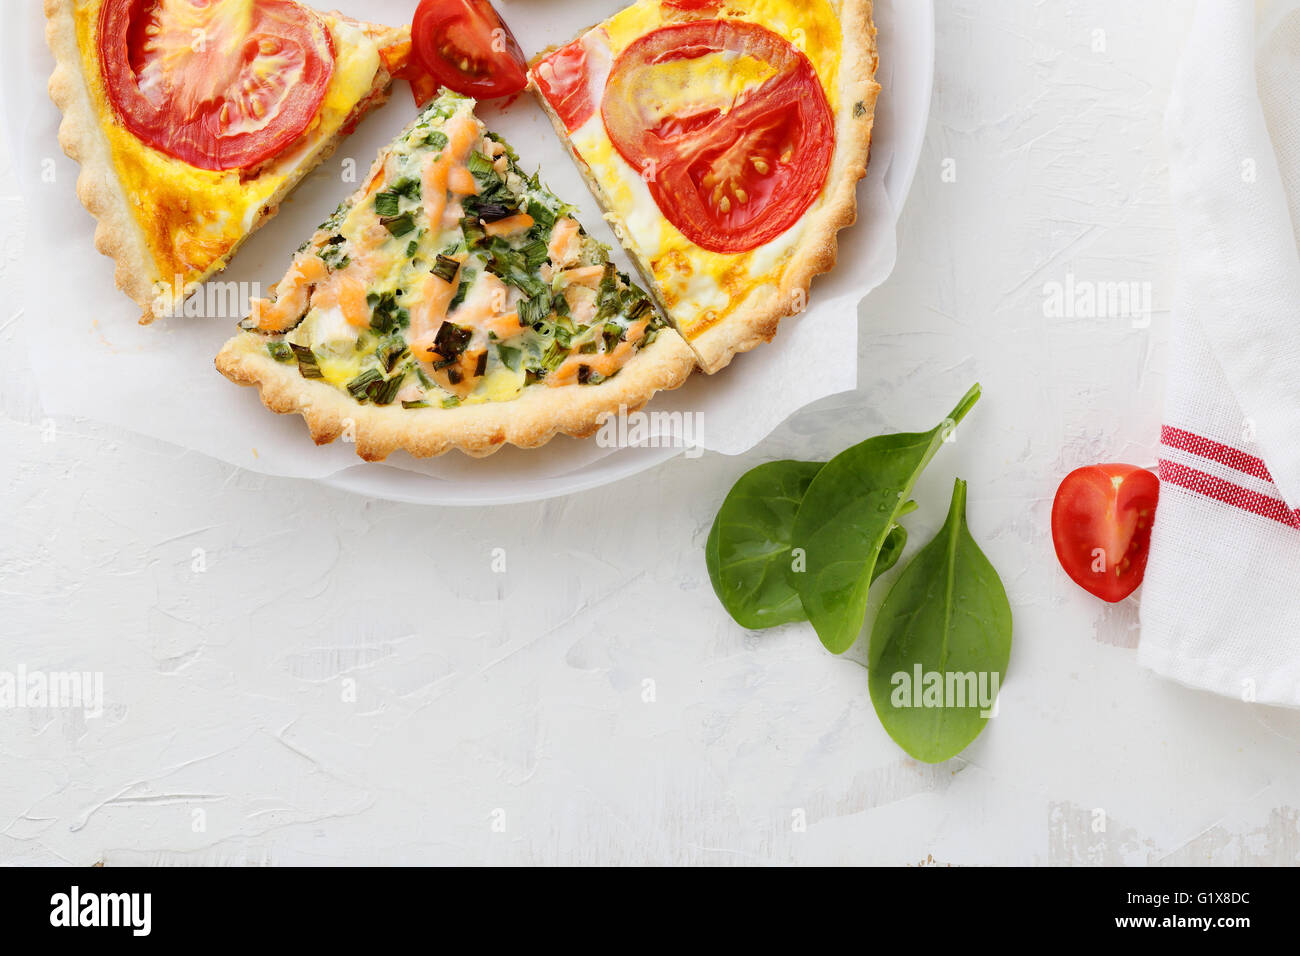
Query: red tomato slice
column 564, row 80
column 1101, row 526
column 730, row 173
column 465, row 46
column 219, row 85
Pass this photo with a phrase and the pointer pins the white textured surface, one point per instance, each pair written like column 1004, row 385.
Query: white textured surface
column 517, row 698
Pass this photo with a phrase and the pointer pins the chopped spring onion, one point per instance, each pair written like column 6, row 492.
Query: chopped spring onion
column 307, row 365
column 359, row 387
column 398, row 225
column 533, row 310
column 446, row 268
column 451, row 339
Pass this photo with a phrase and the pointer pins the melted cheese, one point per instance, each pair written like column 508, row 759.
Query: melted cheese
column 193, row 219
column 700, row 288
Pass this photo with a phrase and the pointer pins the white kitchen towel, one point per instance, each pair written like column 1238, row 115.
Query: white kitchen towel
column 1221, row 602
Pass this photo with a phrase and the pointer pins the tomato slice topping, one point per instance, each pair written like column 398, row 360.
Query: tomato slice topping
column 729, row 126
column 220, row 84
column 565, row 81
column 465, row 46
column 1101, row 526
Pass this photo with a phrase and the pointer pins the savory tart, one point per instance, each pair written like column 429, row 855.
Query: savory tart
column 193, row 118
column 724, row 140
column 453, row 301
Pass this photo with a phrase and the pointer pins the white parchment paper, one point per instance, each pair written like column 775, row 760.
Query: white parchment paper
column 93, row 360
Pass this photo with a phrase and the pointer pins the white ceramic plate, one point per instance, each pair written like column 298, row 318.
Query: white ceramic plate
column 566, row 466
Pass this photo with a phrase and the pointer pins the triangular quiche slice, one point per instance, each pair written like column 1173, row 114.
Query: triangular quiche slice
column 453, row 301
column 725, row 140
column 192, row 119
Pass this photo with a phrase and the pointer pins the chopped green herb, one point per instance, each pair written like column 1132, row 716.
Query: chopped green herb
column 532, row 310
column 462, row 290
column 398, row 225
column 407, row 187
column 639, row 311
column 451, row 401
column 307, row 365
column 391, row 352
column 386, row 316
column 332, row 253
column 491, row 187
column 608, row 300
column 384, row 391
column 509, row 357
column 446, row 268
column 387, row 204
column 564, row 331
column 473, row 231
column 480, row 167
column 612, row 334
column 359, row 386
column 280, row 351
column 412, row 248
column 510, row 265
column 419, row 404
column 554, row 355
column 543, row 216
column 535, row 254
column 451, row 339
column 488, row 211
column 336, row 218
column 437, row 139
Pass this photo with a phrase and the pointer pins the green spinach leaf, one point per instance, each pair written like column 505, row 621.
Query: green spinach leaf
column 847, row 513
column 748, row 549
column 893, row 547
column 748, row 552
column 940, row 644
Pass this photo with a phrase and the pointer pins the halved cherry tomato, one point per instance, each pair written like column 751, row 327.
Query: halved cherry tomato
column 465, row 46
column 219, row 85
column 731, row 170
column 1101, row 526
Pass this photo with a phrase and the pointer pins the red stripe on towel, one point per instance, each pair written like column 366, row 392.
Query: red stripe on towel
column 1203, row 447
column 1228, row 493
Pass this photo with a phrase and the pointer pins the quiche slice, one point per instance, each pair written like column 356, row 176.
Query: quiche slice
column 724, row 140
column 192, row 119
column 453, row 301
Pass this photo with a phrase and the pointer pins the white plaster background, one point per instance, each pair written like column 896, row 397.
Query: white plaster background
column 518, row 696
